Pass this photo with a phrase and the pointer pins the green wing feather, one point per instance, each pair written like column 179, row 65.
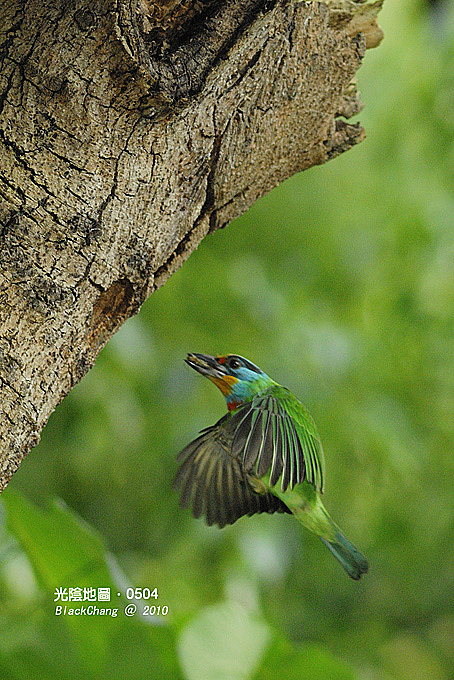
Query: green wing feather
column 275, row 433
column 214, row 483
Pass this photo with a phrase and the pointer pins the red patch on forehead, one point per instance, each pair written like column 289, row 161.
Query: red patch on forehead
column 220, row 360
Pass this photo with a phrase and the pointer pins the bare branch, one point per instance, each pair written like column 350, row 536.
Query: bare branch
column 128, row 131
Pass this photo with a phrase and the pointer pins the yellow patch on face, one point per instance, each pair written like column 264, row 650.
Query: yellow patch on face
column 225, row 383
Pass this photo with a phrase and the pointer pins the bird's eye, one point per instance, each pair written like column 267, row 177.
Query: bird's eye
column 234, row 363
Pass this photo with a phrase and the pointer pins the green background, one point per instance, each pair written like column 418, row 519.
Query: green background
column 340, row 285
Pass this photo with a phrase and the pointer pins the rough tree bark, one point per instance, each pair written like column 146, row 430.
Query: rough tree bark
column 129, row 129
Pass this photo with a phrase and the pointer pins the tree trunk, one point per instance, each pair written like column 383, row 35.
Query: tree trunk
column 129, row 129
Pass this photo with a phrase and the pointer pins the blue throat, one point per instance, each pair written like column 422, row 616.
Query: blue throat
column 245, row 390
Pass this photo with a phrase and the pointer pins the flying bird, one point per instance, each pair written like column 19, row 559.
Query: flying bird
column 264, row 455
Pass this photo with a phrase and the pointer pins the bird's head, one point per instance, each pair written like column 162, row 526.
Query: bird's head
column 237, row 378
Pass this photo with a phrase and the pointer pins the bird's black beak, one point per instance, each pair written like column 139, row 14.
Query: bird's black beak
column 206, row 365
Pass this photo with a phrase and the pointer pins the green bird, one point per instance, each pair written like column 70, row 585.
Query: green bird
column 264, row 455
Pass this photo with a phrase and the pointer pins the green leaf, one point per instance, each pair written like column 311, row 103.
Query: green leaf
column 62, row 548
column 305, row 662
column 66, row 552
column 35, row 644
column 139, row 651
column 225, row 642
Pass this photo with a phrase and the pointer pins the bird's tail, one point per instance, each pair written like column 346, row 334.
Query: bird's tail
column 348, row 555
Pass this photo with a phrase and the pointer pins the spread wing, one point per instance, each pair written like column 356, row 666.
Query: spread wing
column 213, row 482
column 274, row 433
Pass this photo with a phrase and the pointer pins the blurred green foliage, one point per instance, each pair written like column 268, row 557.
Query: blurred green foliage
column 340, row 284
